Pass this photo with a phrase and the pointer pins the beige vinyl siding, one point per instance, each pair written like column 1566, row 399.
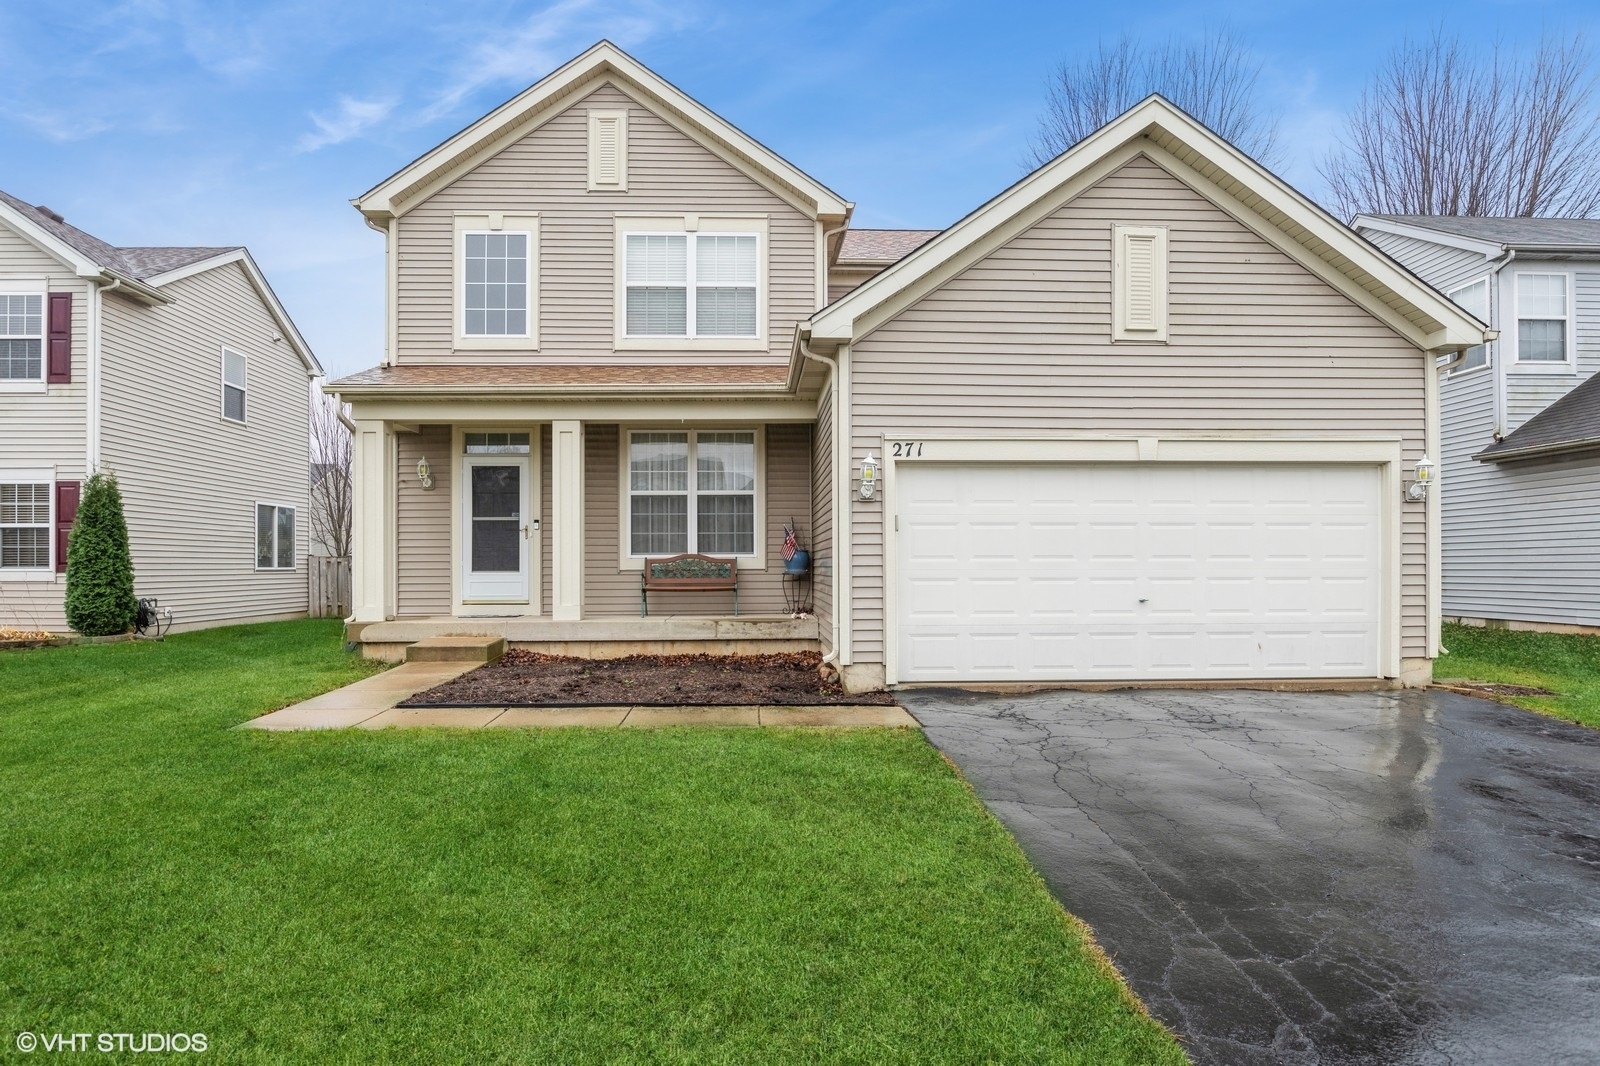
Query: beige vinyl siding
column 546, row 171
column 1440, row 265
column 610, row 591
column 1019, row 344
column 190, row 479
column 422, row 545
column 44, row 430
column 821, row 532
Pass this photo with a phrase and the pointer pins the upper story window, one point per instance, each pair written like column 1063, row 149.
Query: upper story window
column 1542, row 318
column 235, row 384
column 700, row 282
column 496, row 266
column 1474, row 300
column 22, row 336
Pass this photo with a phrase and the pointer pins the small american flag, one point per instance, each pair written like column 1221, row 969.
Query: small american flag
column 790, row 545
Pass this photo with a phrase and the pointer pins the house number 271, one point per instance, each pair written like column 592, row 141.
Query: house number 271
column 905, row 449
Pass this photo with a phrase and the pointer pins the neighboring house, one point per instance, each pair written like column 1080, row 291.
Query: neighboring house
column 177, row 370
column 1520, row 470
column 1148, row 414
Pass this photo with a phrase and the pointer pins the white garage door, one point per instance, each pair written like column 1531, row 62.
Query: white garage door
column 1060, row 572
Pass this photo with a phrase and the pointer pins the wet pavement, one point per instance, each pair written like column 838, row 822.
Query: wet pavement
column 1313, row 878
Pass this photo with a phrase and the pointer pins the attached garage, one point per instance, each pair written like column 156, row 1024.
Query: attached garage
column 1082, row 571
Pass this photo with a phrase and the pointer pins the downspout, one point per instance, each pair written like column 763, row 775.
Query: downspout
column 835, row 485
column 1500, row 361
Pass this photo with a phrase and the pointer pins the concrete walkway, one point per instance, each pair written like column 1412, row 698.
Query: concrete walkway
column 371, row 704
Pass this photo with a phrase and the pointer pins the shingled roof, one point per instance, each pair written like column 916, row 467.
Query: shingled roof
column 883, row 245
column 1569, row 424
column 136, row 263
column 1511, row 232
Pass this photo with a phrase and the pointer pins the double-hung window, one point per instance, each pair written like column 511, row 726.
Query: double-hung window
column 24, row 525
column 691, row 492
column 21, row 336
column 692, row 286
column 1542, row 318
column 235, row 384
column 1473, row 299
column 274, row 537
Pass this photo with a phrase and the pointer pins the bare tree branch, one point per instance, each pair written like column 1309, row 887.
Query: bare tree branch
column 332, row 488
column 1213, row 79
column 1443, row 131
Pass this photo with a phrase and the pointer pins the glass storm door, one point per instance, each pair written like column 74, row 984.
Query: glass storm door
column 496, row 538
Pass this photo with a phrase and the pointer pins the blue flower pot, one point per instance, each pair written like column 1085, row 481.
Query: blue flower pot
column 800, row 563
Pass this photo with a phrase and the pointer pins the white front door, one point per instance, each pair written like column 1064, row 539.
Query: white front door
column 1062, row 572
column 495, row 531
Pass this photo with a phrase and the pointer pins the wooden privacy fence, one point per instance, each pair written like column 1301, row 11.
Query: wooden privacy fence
column 330, row 585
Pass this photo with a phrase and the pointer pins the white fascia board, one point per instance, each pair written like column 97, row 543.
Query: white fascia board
column 1487, row 249
column 1153, row 118
column 383, row 198
column 263, row 289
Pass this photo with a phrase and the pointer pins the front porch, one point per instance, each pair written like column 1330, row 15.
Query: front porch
column 599, row 638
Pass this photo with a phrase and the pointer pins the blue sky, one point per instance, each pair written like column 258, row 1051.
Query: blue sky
column 221, row 122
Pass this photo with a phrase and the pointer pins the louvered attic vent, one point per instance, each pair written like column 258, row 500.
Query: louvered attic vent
column 1139, row 283
column 608, row 151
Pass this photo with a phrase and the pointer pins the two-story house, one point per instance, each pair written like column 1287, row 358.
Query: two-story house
column 176, row 369
column 1521, row 457
column 1149, row 414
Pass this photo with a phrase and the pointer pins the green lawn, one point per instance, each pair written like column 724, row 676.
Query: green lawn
column 562, row 896
column 1563, row 663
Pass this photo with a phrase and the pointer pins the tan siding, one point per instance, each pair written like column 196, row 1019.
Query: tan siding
column 546, row 172
column 44, row 430
column 423, row 523
column 1019, row 344
column 610, row 590
column 821, row 542
column 190, row 479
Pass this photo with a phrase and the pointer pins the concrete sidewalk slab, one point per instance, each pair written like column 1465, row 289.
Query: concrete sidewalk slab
column 856, row 716
column 661, row 717
column 433, row 718
column 560, row 717
column 364, row 699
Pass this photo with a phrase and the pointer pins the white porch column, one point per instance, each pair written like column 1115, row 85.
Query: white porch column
column 372, row 522
column 566, row 515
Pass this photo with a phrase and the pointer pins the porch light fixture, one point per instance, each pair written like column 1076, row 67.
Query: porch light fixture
column 869, row 477
column 424, row 473
column 1417, row 491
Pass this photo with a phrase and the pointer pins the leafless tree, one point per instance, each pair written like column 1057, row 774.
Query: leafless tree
column 1443, row 130
column 1213, row 78
column 332, row 490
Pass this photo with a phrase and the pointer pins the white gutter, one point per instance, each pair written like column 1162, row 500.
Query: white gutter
column 839, row 496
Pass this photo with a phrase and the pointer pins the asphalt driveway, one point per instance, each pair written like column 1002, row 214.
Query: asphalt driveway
column 1313, row 878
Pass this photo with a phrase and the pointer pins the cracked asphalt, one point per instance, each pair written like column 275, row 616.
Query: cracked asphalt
column 1389, row 877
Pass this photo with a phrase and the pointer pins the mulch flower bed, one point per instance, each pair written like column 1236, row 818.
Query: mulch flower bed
column 528, row 679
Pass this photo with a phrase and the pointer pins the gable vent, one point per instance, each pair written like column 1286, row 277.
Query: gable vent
column 1139, row 283
column 608, row 151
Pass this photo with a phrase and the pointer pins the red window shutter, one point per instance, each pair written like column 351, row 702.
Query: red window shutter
column 59, row 343
column 66, row 511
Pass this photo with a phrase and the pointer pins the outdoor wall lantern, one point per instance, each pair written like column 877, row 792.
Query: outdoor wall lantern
column 869, row 477
column 424, row 473
column 1417, row 491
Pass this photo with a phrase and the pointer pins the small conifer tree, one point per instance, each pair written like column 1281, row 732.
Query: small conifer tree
column 100, row 600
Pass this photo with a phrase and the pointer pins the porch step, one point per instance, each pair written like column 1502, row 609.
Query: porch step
column 456, row 649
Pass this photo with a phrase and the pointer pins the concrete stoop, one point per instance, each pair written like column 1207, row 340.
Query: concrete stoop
column 456, row 649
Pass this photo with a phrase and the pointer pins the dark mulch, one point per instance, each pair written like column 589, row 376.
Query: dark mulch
column 529, row 679
column 1493, row 688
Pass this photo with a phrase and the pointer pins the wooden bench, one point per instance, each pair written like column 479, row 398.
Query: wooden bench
column 688, row 573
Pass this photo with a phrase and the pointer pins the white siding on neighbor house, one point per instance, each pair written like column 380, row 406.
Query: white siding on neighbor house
column 1440, row 265
column 44, row 430
column 1019, row 344
column 1530, row 391
column 191, row 479
column 546, row 171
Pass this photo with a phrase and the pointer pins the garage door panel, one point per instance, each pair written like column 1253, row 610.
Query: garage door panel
column 1062, row 572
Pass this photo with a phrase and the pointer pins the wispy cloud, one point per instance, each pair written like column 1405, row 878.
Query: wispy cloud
column 352, row 118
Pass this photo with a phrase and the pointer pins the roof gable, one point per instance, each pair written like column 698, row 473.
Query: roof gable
column 258, row 281
column 1160, row 131
column 549, row 96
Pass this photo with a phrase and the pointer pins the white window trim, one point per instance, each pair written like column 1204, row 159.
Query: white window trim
column 620, row 116
column 1120, row 330
column 1487, row 281
column 1517, row 363
column 756, row 560
column 39, row 287
column 255, row 545
column 34, row 476
column 494, row 222
column 680, row 225
column 223, row 384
